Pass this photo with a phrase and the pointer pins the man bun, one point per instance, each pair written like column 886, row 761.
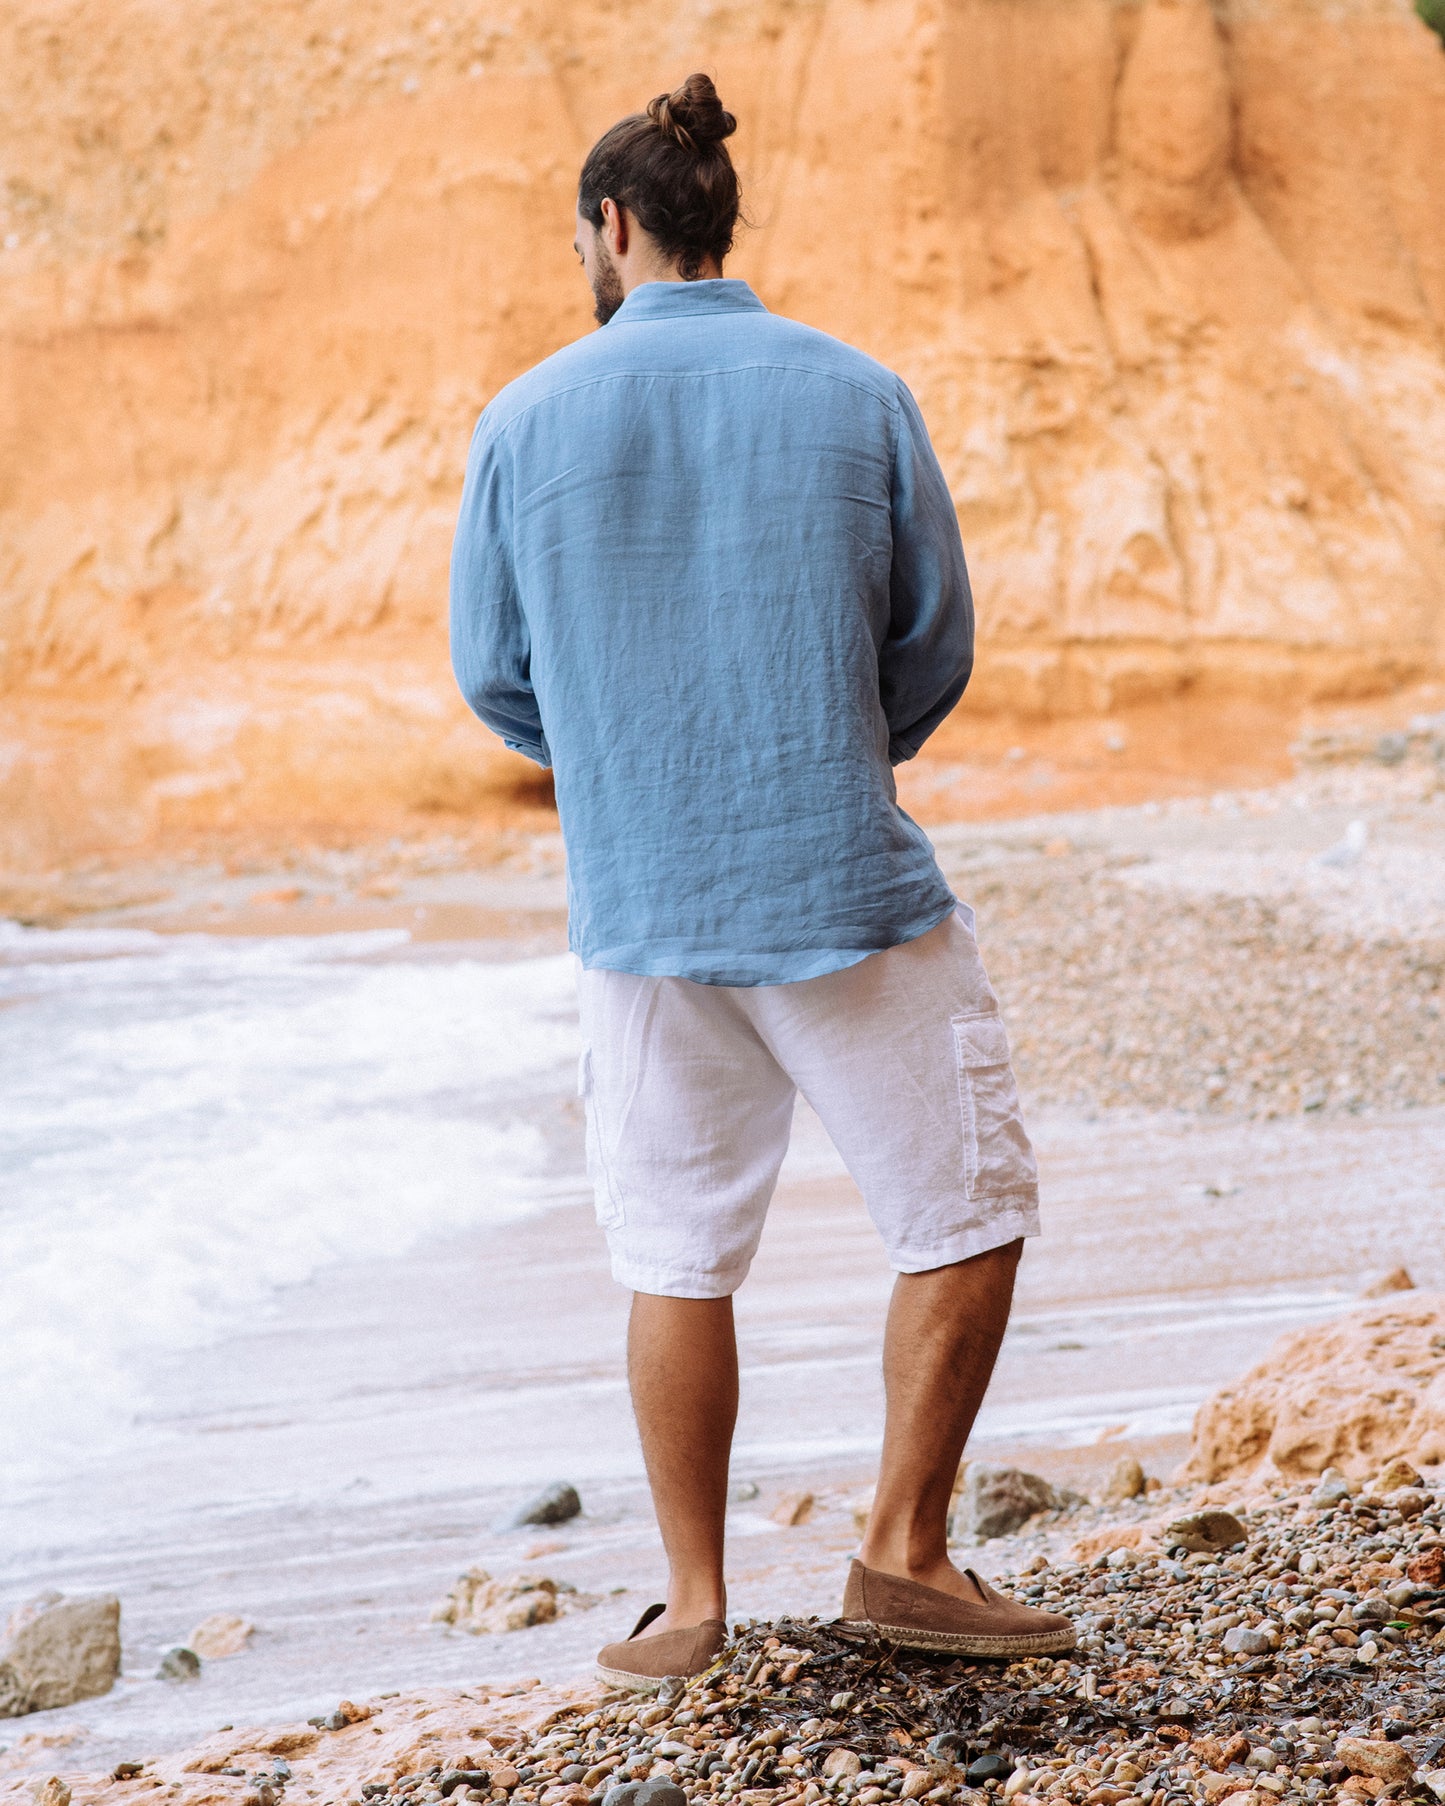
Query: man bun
column 693, row 114
column 670, row 168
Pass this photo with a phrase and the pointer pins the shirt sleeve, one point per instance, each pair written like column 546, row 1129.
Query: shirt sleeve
column 491, row 643
column 926, row 659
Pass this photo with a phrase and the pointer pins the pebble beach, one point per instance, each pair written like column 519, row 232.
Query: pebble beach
column 1289, row 1651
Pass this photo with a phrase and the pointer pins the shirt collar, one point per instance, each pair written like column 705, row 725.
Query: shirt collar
column 686, row 300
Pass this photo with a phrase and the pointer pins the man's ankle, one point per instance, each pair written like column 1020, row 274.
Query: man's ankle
column 695, row 1606
column 894, row 1558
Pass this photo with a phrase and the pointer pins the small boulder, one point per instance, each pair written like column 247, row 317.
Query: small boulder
column 1394, row 1475
column 50, row 1792
column 1126, row 1481
column 1206, row 1532
column 999, row 1500
column 660, row 1792
column 62, row 1651
column 485, row 1607
column 1376, row 1756
column 1333, row 1489
column 1396, row 1280
column 793, row 1508
column 555, row 1504
column 462, row 1777
column 1428, row 1570
column 223, row 1634
column 179, row 1664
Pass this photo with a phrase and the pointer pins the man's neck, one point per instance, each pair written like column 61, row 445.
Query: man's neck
column 711, row 271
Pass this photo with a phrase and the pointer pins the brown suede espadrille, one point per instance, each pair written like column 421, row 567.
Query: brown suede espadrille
column 644, row 1663
column 920, row 1617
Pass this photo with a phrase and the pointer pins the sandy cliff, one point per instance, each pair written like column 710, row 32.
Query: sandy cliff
column 1169, row 282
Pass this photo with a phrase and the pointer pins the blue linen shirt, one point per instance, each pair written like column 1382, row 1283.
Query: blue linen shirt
column 708, row 569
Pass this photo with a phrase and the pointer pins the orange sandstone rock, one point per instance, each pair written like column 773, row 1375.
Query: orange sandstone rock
column 1351, row 1395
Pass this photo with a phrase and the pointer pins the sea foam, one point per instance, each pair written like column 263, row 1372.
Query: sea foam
column 189, row 1123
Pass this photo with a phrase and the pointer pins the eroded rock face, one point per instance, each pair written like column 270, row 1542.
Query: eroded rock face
column 1351, row 1395
column 61, row 1653
column 1188, row 437
column 1173, row 127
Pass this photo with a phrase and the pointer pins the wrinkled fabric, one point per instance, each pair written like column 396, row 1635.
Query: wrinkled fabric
column 688, row 1091
column 708, row 569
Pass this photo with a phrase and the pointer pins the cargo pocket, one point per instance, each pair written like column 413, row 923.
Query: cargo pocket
column 604, row 1191
column 998, row 1159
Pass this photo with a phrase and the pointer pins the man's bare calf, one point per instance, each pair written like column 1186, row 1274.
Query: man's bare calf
column 943, row 1337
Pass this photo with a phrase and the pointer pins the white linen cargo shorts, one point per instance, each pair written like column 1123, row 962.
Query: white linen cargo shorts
column 689, row 1092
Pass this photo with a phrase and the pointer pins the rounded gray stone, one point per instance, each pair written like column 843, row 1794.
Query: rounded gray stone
column 659, row 1793
column 179, row 1664
column 555, row 1504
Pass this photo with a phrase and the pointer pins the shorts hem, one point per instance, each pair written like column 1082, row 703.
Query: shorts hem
column 657, row 1282
column 1016, row 1220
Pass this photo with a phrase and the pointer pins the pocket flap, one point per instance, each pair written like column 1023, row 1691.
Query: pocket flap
column 982, row 1040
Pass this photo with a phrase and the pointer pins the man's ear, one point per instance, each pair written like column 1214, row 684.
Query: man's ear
column 615, row 227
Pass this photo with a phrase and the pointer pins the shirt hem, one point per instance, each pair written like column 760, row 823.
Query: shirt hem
column 743, row 972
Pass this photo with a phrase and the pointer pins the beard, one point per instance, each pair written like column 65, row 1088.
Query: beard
column 607, row 292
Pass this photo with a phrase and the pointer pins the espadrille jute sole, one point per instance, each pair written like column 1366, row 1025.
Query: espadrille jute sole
column 634, row 1683
column 947, row 1642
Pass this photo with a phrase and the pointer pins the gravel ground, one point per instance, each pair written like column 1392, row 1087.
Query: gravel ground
column 1288, row 1653
column 1205, row 957
column 1298, row 1663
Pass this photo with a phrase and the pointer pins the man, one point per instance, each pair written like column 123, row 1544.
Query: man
column 708, row 569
